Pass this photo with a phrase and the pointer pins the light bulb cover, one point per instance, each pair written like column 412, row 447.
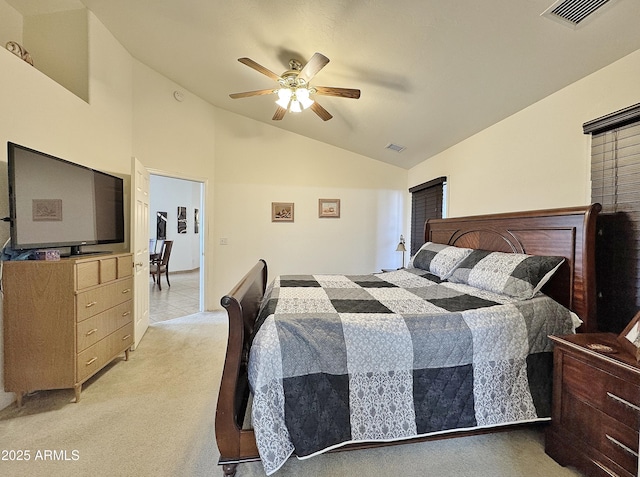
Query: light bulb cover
column 284, row 94
column 302, row 94
column 283, row 103
column 295, row 106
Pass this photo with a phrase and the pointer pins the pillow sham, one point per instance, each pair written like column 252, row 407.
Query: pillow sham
column 439, row 259
column 514, row 274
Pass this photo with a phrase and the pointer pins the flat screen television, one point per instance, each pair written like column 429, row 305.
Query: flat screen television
column 56, row 203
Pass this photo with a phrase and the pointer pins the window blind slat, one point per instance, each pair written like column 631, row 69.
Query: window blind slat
column 615, row 183
column 426, row 203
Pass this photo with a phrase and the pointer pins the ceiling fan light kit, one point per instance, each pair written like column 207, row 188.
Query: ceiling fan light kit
column 294, row 93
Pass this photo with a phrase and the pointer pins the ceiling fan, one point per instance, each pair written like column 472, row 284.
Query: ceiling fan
column 294, row 91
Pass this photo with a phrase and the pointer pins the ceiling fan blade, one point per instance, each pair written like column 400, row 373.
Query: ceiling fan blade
column 315, row 64
column 320, row 111
column 247, row 94
column 279, row 114
column 259, row 68
column 338, row 92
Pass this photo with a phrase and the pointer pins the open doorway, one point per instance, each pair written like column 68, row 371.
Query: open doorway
column 176, row 212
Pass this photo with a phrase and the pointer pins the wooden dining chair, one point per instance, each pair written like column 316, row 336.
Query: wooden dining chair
column 160, row 265
column 155, row 250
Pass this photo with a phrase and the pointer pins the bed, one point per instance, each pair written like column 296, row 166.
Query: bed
column 456, row 373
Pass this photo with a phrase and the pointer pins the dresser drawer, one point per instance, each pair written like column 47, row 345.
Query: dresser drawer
column 108, row 269
column 103, row 270
column 93, row 329
column 610, row 437
column 97, row 300
column 125, row 266
column 604, row 391
column 604, row 467
column 620, row 444
column 95, row 357
column 87, row 274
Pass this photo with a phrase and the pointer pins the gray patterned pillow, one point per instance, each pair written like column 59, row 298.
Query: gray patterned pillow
column 515, row 274
column 439, row 259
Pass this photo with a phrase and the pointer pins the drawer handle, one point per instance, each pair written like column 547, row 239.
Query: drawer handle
column 90, row 332
column 126, row 313
column 93, row 303
column 604, row 468
column 624, row 401
column 92, row 360
column 126, row 337
column 126, row 290
column 622, row 446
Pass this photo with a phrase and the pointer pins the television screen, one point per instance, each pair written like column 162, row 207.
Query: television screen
column 57, row 203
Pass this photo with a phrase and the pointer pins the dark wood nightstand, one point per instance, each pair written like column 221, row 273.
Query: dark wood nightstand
column 596, row 406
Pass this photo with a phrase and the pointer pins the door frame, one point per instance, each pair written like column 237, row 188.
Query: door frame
column 204, row 229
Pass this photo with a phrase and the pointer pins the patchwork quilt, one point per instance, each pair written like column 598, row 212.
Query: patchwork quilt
column 339, row 359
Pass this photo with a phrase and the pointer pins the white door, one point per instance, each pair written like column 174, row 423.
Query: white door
column 140, row 247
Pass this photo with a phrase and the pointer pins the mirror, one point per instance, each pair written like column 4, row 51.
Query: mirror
column 629, row 339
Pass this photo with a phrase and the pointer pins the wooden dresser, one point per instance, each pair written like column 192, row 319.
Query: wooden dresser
column 596, row 406
column 65, row 320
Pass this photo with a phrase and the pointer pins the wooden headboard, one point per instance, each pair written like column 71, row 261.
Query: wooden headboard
column 568, row 232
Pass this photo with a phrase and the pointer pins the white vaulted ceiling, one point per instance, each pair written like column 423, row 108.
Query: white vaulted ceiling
column 431, row 72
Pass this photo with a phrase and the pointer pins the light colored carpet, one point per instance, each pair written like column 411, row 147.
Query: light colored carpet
column 154, row 416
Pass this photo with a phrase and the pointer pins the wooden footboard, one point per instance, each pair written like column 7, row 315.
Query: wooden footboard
column 242, row 304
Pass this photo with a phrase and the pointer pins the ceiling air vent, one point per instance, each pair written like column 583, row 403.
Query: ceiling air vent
column 395, row 147
column 572, row 12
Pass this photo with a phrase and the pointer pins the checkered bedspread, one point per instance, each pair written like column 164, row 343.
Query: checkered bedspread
column 340, row 359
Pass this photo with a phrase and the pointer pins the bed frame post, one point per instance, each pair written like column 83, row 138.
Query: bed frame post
column 242, row 304
column 229, row 470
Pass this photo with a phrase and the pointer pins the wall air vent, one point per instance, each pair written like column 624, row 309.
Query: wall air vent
column 573, row 12
column 395, row 147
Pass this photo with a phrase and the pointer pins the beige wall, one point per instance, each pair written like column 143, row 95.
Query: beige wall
column 176, row 139
column 537, row 158
column 11, row 24
column 58, row 46
column 244, row 164
column 39, row 113
column 257, row 164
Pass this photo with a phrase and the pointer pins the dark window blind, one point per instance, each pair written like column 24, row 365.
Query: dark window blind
column 426, row 203
column 615, row 183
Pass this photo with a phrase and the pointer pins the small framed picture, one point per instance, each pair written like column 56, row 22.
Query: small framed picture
column 629, row 339
column 329, row 208
column 281, row 211
column 182, row 220
column 47, row 210
column 161, row 225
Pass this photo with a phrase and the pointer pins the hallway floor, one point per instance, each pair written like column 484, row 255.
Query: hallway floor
column 180, row 299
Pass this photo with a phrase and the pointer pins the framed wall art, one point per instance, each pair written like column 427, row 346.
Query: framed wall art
column 281, row 211
column 161, row 225
column 329, row 208
column 182, row 220
column 47, row 210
